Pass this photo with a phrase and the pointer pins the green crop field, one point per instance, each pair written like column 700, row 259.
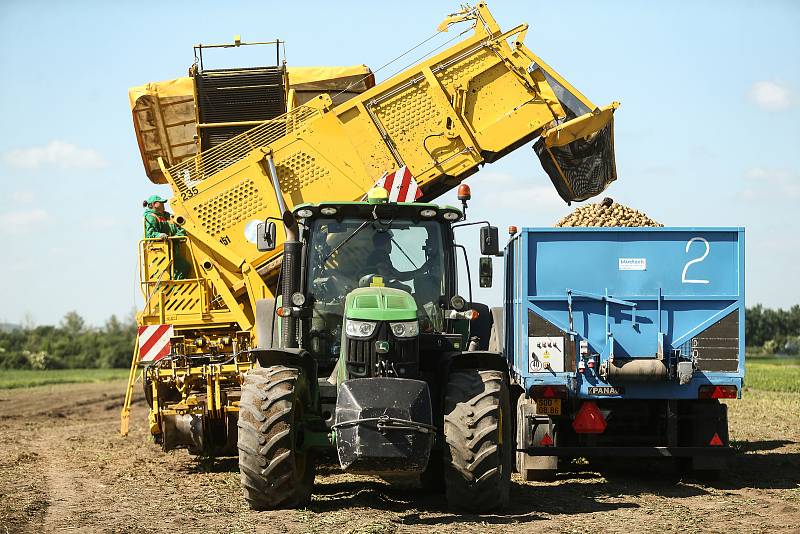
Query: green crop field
column 23, row 378
column 771, row 373
column 766, row 373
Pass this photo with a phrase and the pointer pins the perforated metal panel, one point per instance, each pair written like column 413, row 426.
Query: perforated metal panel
column 235, row 204
column 409, row 111
column 156, row 261
column 462, row 71
column 183, row 297
column 298, row 171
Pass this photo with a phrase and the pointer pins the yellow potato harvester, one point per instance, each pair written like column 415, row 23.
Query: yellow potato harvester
column 240, row 146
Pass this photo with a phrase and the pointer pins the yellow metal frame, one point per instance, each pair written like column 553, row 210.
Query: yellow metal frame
column 442, row 118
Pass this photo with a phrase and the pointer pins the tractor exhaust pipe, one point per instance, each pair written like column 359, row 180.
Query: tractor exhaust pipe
column 292, row 257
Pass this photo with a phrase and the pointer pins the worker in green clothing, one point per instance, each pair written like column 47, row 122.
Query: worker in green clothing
column 158, row 225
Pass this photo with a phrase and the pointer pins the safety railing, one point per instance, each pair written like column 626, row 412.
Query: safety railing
column 165, row 271
column 216, row 159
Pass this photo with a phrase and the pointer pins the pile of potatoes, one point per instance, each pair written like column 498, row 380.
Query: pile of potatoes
column 606, row 213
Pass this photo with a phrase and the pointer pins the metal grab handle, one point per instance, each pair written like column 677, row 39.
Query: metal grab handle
column 602, row 298
column 385, row 422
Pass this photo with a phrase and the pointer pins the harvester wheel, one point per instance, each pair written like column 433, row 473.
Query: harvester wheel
column 275, row 472
column 478, row 459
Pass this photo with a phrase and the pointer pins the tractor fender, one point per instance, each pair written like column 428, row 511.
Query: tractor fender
column 290, row 357
column 478, row 359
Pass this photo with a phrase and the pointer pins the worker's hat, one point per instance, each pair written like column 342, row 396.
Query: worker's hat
column 156, row 198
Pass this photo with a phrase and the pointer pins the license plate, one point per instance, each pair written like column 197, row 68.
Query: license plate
column 548, row 406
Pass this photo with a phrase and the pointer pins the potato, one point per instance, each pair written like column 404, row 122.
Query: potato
column 614, row 215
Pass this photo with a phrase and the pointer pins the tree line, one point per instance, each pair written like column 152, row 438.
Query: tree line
column 773, row 331
column 72, row 344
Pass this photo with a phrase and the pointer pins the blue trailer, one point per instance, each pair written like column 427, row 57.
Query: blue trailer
column 622, row 341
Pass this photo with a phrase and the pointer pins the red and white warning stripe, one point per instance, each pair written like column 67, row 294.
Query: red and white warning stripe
column 401, row 185
column 154, row 342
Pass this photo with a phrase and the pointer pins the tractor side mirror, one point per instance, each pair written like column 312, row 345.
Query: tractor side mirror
column 485, row 270
column 490, row 243
column 266, row 236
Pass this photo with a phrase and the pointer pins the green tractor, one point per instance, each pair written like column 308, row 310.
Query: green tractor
column 369, row 356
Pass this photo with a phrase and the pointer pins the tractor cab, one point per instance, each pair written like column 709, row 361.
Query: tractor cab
column 379, row 277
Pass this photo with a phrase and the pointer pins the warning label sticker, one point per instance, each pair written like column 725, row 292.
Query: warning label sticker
column 633, row 264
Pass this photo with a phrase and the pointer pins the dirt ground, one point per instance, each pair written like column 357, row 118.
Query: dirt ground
column 64, row 468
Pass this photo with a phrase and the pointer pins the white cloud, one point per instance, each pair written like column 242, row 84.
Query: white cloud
column 22, row 220
column 771, row 96
column 58, row 154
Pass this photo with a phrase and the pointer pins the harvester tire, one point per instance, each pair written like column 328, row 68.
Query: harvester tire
column 478, row 458
column 275, row 472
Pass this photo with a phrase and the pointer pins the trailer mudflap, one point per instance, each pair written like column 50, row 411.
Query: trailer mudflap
column 384, row 425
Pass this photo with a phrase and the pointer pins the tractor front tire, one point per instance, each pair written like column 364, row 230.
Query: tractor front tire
column 275, row 472
column 478, row 457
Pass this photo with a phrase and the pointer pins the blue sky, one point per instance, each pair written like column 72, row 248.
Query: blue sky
column 708, row 133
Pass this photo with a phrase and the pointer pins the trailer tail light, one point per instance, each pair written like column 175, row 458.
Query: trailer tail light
column 717, row 392
column 589, row 419
column 549, row 392
column 471, row 315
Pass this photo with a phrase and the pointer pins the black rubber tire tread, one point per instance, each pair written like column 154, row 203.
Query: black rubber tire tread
column 477, row 463
column 273, row 472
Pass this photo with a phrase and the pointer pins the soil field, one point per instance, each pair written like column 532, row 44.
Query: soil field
column 63, row 468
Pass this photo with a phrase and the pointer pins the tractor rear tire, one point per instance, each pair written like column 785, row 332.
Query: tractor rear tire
column 275, row 472
column 478, row 458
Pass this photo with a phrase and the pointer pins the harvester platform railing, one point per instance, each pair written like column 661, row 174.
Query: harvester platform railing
column 219, row 158
column 188, row 299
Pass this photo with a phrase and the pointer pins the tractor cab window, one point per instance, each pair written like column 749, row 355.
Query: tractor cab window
column 355, row 253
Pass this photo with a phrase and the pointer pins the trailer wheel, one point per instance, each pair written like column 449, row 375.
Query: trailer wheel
column 275, row 472
column 478, row 458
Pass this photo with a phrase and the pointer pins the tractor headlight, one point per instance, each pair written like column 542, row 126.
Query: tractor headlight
column 304, row 213
column 405, row 329
column 451, row 216
column 359, row 328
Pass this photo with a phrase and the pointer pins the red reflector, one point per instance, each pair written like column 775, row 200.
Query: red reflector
column 715, row 441
column 717, row 392
column 546, row 440
column 549, row 392
column 589, row 419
